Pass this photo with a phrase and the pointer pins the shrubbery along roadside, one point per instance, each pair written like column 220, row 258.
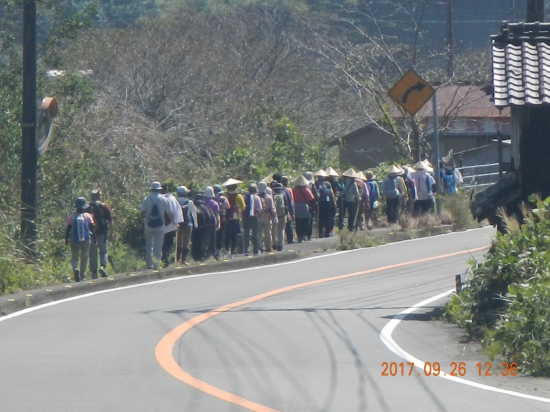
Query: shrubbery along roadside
column 507, row 303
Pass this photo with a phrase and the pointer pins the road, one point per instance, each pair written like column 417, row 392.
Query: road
column 309, row 335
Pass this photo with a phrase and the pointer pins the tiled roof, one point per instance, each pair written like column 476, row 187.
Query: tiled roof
column 459, row 102
column 521, row 64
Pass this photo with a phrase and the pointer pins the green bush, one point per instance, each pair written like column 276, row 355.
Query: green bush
column 508, row 299
column 459, row 207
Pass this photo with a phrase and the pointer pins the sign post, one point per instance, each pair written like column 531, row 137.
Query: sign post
column 436, row 163
column 412, row 92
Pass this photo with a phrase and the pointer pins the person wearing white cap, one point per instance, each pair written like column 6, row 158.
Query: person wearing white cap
column 267, row 218
column 425, row 185
column 393, row 189
column 251, row 223
column 170, row 225
column 153, row 209
column 79, row 233
column 302, row 198
column 186, row 228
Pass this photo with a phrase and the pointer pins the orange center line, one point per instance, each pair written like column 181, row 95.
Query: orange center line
column 164, row 349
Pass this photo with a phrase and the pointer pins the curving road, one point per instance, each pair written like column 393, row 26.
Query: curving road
column 309, row 335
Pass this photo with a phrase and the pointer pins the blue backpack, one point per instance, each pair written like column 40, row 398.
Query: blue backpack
column 390, row 188
column 81, row 231
column 450, row 182
column 373, row 191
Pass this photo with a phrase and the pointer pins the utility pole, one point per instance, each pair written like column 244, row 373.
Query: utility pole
column 28, row 154
column 449, row 39
column 535, row 10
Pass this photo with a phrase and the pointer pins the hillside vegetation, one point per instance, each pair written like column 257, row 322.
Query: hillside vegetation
column 192, row 96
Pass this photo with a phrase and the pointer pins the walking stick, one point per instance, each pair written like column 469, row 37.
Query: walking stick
column 177, row 235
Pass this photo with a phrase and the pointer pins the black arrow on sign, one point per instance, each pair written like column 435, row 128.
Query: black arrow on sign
column 417, row 87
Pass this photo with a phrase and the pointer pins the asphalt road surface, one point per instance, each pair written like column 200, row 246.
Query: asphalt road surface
column 311, row 335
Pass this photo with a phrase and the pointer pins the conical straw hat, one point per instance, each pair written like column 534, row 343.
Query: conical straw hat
column 301, row 181
column 320, row 172
column 231, row 182
column 419, row 166
column 268, row 179
column 331, row 172
column 350, row 173
column 393, row 169
column 361, row 175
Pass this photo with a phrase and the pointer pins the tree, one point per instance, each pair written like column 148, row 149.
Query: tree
column 369, row 45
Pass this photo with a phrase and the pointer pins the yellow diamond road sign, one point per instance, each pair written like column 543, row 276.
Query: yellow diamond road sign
column 411, row 92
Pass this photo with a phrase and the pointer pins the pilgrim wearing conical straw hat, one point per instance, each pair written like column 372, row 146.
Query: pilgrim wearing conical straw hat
column 394, row 170
column 331, row 172
column 301, row 181
column 350, row 173
column 349, row 197
column 320, row 173
column 423, row 182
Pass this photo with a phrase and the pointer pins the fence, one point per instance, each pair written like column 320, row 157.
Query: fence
column 479, row 176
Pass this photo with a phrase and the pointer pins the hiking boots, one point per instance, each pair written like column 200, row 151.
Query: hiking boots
column 76, row 275
column 102, row 272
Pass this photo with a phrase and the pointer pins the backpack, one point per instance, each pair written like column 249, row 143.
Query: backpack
column 263, row 211
column 233, row 211
column 324, row 194
column 205, row 216
column 155, row 218
column 279, row 201
column 411, row 187
column 184, row 206
column 373, row 191
column 450, row 181
column 81, row 231
column 222, row 200
column 98, row 212
column 390, row 188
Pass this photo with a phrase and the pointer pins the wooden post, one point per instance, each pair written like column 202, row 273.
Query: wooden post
column 535, row 10
column 28, row 125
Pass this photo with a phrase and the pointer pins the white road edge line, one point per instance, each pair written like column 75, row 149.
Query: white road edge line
column 154, row 282
column 386, row 338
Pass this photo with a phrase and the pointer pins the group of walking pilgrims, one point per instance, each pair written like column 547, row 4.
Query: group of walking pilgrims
column 268, row 214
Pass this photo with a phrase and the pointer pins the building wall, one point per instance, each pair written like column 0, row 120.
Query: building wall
column 534, row 146
column 367, row 149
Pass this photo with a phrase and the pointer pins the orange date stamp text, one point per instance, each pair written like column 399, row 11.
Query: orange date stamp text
column 458, row 369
